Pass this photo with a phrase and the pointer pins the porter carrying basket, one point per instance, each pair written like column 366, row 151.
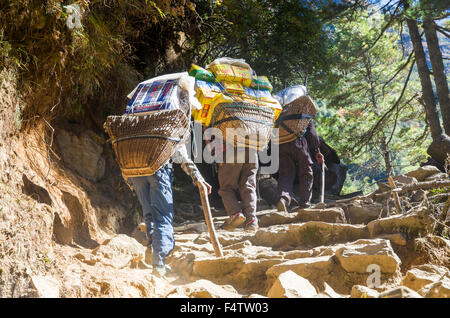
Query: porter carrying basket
column 293, row 120
column 251, row 125
column 142, row 144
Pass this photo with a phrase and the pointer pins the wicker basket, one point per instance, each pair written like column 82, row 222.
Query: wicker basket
column 253, row 123
column 142, row 144
column 293, row 120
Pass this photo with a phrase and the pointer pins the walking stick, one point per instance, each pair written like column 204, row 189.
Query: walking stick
column 207, row 211
column 322, row 184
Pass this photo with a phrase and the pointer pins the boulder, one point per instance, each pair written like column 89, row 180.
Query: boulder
column 402, row 179
column 361, row 213
column 414, row 223
column 359, row 291
column 357, row 256
column 419, row 276
column 423, row 172
column 46, row 286
column 304, row 267
column 276, row 218
column 330, row 215
column 399, row 292
column 291, row 285
column 119, row 252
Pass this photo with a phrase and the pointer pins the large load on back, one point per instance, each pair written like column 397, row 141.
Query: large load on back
column 298, row 110
column 232, row 96
column 155, row 123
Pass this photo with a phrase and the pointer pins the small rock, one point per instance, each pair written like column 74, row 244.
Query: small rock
column 357, row 256
column 330, row 291
column 291, row 285
column 399, row 292
column 419, row 276
column 359, row 291
column 439, row 289
column 46, row 286
column 423, row 172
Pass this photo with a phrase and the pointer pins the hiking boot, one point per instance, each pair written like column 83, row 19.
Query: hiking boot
column 233, row 221
column 161, row 270
column 282, row 205
column 252, row 225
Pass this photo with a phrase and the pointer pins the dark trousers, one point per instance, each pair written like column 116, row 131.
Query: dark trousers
column 238, row 178
column 295, row 159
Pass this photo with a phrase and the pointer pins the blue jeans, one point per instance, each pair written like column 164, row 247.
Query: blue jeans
column 155, row 195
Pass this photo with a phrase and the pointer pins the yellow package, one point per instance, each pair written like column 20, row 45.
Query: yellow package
column 233, row 87
column 209, row 109
column 222, row 72
column 242, row 75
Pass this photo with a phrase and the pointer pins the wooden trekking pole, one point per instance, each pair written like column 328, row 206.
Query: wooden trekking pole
column 208, row 218
column 322, row 184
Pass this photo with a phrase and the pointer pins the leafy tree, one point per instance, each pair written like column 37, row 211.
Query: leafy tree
column 371, row 97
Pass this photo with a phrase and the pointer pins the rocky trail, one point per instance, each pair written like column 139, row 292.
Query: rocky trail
column 358, row 247
column 69, row 228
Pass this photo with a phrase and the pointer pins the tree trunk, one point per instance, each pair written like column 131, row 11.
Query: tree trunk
column 438, row 72
column 440, row 146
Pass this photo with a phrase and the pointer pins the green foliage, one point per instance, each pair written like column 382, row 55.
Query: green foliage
column 366, row 108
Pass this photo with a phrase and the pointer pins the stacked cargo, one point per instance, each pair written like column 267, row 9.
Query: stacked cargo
column 226, row 81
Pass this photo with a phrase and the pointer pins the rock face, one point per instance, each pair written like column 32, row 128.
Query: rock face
column 82, row 154
column 360, row 255
column 291, row 285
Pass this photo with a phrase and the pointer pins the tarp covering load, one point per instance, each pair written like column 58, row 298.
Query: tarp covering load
column 237, row 98
column 156, row 122
column 298, row 110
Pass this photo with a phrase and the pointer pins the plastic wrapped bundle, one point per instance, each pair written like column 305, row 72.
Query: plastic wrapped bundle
column 167, row 92
column 293, row 120
column 288, row 95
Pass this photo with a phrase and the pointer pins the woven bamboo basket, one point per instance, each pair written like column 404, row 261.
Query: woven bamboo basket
column 143, row 143
column 293, row 120
column 252, row 124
